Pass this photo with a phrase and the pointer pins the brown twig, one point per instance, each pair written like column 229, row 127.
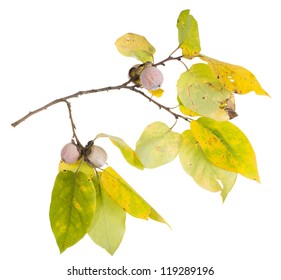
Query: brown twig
column 74, row 136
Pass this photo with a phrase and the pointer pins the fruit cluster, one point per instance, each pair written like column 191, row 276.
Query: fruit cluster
column 93, row 154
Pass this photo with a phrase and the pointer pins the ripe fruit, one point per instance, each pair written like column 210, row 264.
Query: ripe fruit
column 70, row 153
column 151, row 78
column 97, row 156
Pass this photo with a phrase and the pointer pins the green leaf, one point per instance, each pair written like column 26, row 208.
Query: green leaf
column 128, row 153
column 157, row 145
column 136, row 46
column 226, row 146
column 204, row 173
column 72, row 207
column 188, row 34
column 108, row 226
column 126, row 197
column 201, row 92
column 235, row 78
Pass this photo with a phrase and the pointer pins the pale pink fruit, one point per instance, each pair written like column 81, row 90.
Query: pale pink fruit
column 70, row 153
column 98, row 156
column 151, row 78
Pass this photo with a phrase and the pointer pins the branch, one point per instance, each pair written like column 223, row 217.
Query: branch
column 168, row 109
column 64, row 99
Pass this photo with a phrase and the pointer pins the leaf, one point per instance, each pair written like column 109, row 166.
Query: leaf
column 188, row 34
column 126, row 197
column 80, row 165
column 136, row 46
column 185, row 110
column 157, row 92
column 235, row 78
column 226, row 146
column 157, row 145
column 108, row 225
column 128, row 153
column 204, row 173
column 72, row 207
column 200, row 92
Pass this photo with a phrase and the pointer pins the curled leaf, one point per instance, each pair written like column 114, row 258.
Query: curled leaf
column 137, row 46
column 128, row 153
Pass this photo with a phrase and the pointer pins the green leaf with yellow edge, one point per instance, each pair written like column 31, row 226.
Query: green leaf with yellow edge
column 137, row 46
column 126, row 197
column 201, row 92
column 72, row 207
column 158, row 145
column 235, row 78
column 226, row 146
column 188, row 34
column 157, row 92
column 108, row 225
column 128, row 153
column 204, row 173
column 80, row 165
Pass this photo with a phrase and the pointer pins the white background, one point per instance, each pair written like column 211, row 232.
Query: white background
column 50, row 49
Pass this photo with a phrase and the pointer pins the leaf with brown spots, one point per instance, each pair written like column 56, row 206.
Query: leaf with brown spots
column 226, row 146
column 235, row 78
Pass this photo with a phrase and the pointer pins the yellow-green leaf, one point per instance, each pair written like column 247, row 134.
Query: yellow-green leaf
column 188, row 34
column 80, row 165
column 137, row 46
column 157, row 145
column 226, row 146
column 200, row 92
column 128, row 153
column 126, row 197
column 72, row 207
column 204, row 173
column 235, row 78
column 108, row 225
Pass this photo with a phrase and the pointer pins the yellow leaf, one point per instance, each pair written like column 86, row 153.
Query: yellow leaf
column 80, row 165
column 134, row 45
column 235, row 78
column 126, row 197
column 157, row 92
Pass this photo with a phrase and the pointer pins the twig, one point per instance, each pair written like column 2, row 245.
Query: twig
column 63, row 99
column 73, row 125
column 168, row 109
